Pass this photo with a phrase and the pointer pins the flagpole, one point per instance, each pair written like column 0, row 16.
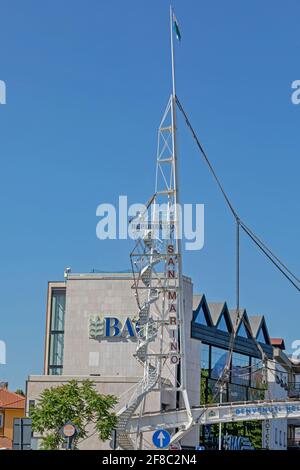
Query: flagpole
column 183, row 375
column 172, row 53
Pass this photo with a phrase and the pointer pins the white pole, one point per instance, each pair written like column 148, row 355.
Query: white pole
column 183, row 376
column 220, row 424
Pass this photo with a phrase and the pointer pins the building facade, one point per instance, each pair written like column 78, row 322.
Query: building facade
column 12, row 405
column 91, row 333
column 250, row 378
column 287, row 379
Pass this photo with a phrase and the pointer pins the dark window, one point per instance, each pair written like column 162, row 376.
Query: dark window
column 31, row 405
column 57, row 322
column 55, row 370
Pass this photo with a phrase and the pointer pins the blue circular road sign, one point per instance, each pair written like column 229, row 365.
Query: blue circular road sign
column 161, row 438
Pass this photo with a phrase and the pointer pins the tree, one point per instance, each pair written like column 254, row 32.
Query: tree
column 76, row 402
column 19, row 391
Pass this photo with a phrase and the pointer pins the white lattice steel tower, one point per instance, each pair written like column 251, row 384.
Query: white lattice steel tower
column 158, row 284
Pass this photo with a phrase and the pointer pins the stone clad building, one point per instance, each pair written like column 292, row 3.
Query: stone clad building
column 91, row 333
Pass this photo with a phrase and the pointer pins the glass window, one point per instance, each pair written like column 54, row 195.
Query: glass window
column 255, row 394
column 218, row 361
column 56, row 343
column 280, row 437
column 240, row 371
column 55, row 370
column 237, row 393
column 56, row 349
column 31, row 405
column 276, row 438
column 58, row 311
column 257, row 372
column 261, row 337
column 222, row 325
column 205, row 358
column 242, row 331
column 201, row 317
column 214, row 392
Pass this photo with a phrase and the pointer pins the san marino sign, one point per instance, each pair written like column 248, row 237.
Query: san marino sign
column 102, row 327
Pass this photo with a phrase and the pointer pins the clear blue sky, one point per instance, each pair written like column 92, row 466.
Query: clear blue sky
column 86, row 85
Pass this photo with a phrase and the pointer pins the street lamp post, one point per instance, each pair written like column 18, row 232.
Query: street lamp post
column 220, row 424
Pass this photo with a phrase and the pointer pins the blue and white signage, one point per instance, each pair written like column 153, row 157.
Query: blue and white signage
column 112, row 327
column 273, row 409
column 161, row 438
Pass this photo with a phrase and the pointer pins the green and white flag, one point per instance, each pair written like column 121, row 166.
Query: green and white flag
column 176, row 28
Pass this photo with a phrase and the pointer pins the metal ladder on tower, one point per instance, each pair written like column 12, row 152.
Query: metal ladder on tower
column 165, row 370
column 146, row 333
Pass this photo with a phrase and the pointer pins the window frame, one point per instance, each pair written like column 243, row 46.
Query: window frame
column 54, row 333
column 223, row 317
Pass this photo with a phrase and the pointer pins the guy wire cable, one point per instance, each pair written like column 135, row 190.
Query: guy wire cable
column 270, row 255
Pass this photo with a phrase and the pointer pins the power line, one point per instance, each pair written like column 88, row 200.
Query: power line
column 270, row 252
column 294, row 280
column 261, row 245
column 254, row 239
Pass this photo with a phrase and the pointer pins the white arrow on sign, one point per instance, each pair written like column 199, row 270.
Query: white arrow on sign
column 161, row 438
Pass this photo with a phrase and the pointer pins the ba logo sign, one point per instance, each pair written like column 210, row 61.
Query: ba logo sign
column 112, row 327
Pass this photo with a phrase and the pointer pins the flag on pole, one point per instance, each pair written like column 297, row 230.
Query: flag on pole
column 176, row 28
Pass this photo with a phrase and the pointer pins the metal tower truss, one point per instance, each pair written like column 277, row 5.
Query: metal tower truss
column 156, row 265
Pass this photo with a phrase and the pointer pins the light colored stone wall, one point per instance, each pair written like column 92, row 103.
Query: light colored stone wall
column 110, row 363
column 192, row 361
column 104, row 297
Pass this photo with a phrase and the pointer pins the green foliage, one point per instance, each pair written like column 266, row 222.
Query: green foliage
column 251, row 429
column 19, row 391
column 203, row 387
column 254, row 431
column 79, row 403
column 206, row 394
